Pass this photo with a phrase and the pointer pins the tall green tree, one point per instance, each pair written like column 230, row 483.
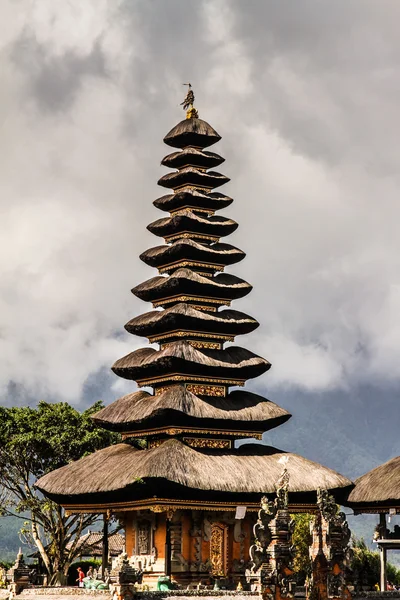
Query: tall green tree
column 302, row 541
column 366, row 566
column 33, row 442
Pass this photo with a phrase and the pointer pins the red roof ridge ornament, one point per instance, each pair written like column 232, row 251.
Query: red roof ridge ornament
column 191, row 111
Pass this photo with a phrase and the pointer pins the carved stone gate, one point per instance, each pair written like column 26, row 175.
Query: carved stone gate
column 272, row 553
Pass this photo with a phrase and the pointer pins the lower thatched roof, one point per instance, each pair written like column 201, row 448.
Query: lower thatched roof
column 177, row 406
column 250, row 469
column 184, row 317
column 379, row 487
column 182, row 358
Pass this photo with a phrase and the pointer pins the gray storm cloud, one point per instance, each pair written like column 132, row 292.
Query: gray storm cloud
column 306, row 97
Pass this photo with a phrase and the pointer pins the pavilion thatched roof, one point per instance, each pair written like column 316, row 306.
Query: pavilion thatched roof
column 377, row 488
column 129, row 473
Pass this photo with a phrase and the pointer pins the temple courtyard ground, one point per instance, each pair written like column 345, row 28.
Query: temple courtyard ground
column 67, row 593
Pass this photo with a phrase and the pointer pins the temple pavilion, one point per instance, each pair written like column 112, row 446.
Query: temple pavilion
column 378, row 492
column 187, row 496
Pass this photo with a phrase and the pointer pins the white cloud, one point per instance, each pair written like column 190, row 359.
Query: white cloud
column 310, row 133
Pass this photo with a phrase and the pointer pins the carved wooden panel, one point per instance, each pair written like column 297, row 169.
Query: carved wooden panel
column 176, row 540
column 219, row 549
column 143, row 538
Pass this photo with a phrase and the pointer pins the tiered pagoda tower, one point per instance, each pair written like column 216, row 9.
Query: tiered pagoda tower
column 177, row 489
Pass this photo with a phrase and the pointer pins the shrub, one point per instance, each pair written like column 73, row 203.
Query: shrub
column 84, row 565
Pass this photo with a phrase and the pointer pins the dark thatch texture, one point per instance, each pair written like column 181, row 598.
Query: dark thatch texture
column 192, row 157
column 251, row 468
column 192, row 176
column 239, row 410
column 184, row 317
column 181, row 358
column 185, row 281
column 192, row 132
column 188, row 221
column 381, row 486
column 218, row 254
column 191, row 198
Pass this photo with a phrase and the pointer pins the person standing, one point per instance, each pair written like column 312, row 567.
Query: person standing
column 81, row 576
column 90, row 573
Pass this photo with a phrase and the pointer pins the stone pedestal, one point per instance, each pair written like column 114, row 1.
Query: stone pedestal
column 123, row 578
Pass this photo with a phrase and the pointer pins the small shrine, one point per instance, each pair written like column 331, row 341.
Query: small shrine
column 18, row 575
column 187, row 496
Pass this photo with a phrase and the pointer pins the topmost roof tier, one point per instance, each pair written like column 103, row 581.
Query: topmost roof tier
column 192, row 132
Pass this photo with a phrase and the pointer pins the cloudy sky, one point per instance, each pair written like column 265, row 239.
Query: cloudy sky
column 306, row 97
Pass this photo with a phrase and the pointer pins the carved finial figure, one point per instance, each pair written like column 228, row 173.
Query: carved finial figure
column 326, row 504
column 282, row 486
column 187, row 104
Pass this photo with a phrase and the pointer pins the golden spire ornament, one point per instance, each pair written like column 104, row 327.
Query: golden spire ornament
column 191, row 112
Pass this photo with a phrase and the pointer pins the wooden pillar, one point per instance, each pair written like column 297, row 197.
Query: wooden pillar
column 383, row 579
column 104, row 559
column 130, row 537
column 168, row 546
column 383, row 582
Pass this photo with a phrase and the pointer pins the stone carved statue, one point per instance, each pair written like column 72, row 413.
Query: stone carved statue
column 187, row 104
column 272, row 554
column 330, row 552
column 262, row 534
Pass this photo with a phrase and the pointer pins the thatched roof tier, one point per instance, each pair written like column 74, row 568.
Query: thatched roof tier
column 174, row 470
column 186, row 221
column 193, row 199
column 192, row 157
column 217, row 255
column 192, row 132
column 177, row 406
column 191, row 176
column 184, row 317
column 378, row 489
column 180, row 358
column 186, row 282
